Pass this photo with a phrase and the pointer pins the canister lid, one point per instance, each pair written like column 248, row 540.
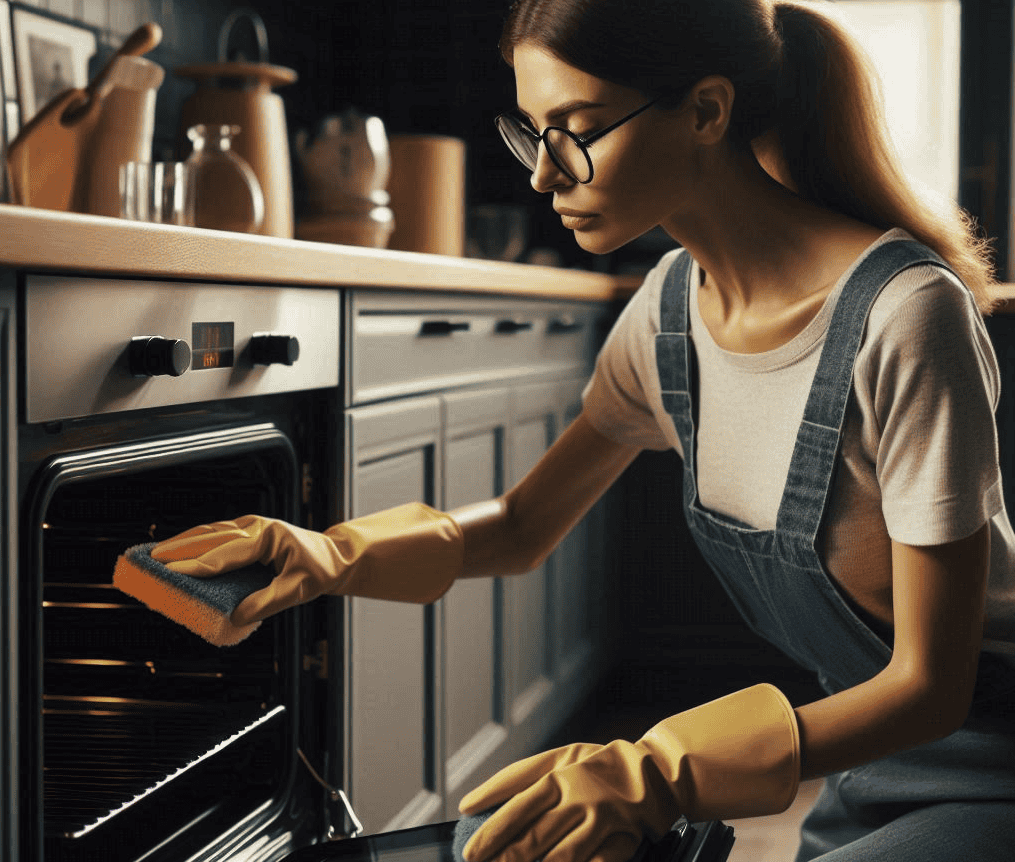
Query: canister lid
column 267, row 73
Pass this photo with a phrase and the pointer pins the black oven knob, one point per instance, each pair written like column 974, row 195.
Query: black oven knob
column 153, row 355
column 274, row 349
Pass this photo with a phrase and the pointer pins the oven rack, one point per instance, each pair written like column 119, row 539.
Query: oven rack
column 105, row 755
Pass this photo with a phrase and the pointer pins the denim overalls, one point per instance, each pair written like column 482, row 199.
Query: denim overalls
column 949, row 800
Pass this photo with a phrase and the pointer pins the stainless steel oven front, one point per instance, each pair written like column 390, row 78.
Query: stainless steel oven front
column 146, row 408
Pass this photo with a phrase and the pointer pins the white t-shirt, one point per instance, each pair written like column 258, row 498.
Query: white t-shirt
column 919, row 459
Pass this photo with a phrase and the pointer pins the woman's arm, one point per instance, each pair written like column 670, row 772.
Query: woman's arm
column 514, row 533
column 925, row 691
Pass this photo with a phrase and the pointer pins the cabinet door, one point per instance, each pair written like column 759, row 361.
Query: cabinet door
column 527, row 611
column 575, row 571
column 392, row 745
column 475, row 427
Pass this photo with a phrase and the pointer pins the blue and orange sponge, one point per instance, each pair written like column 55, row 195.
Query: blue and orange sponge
column 203, row 605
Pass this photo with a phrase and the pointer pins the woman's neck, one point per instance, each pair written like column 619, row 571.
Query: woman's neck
column 759, row 243
column 769, row 257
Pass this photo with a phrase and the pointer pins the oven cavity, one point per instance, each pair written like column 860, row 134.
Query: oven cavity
column 149, row 734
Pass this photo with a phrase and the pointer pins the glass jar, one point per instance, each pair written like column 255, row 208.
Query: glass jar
column 227, row 195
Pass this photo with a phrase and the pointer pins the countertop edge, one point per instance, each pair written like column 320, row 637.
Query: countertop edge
column 36, row 239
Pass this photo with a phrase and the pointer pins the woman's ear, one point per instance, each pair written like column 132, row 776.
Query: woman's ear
column 712, row 100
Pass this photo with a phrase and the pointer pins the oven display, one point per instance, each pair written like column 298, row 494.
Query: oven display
column 211, row 345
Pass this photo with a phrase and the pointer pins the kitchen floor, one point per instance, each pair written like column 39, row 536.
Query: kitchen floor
column 632, row 699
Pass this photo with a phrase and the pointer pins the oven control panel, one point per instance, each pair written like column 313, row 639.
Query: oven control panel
column 97, row 346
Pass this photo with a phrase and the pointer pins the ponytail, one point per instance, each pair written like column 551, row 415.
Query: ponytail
column 836, row 151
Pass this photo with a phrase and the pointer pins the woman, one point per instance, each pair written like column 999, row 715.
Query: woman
column 830, row 385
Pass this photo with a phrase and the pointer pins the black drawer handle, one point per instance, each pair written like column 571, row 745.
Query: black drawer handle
column 509, row 327
column 563, row 325
column 443, row 327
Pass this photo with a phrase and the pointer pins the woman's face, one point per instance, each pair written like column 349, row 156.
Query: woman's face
column 642, row 169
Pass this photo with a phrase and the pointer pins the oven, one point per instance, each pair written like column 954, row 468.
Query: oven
column 147, row 408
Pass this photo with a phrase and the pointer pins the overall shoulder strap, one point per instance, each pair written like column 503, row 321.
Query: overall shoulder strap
column 673, row 303
column 817, row 444
column 833, row 380
column 673, row 362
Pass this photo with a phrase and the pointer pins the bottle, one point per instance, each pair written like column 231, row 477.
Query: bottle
column 227, row 195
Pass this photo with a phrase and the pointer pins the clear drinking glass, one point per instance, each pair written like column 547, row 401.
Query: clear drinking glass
column 227, row 195
column 157, row 192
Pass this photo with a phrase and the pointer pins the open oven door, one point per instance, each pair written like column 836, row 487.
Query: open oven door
column 686, row 842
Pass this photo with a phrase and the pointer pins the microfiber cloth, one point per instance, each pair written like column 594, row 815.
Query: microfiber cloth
column 203, row 605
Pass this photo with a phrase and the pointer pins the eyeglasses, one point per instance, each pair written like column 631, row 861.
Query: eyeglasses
column 569, row 152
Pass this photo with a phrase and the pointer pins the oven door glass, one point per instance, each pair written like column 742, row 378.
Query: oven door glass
column 146, row 736
column 698, row 842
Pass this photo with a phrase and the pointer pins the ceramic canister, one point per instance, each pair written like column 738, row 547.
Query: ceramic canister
column 427, row 189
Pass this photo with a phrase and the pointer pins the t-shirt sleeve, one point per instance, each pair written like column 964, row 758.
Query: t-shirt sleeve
column 928, row 386
column 618, row 400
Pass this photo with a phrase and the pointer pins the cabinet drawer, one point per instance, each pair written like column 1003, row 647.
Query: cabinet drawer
column 404, row 343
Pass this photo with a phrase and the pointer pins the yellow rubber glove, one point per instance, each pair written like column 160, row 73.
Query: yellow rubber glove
column 738, row 756
column 411, row 553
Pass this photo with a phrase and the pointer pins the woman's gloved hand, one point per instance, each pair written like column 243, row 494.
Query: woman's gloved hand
column 411, row 553
column 738, row 756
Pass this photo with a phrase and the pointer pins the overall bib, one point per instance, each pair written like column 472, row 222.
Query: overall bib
column 953, row 799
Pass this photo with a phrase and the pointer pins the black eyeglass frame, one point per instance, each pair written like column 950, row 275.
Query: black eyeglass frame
column 540, row 138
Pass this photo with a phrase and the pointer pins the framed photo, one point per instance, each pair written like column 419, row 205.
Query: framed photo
column 10, row 89
column 49, row 57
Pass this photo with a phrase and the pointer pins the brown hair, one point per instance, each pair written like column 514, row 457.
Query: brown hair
column 801, row 81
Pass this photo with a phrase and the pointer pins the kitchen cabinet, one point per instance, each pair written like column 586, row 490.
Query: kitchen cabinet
column 485, row 675
column 391, row 646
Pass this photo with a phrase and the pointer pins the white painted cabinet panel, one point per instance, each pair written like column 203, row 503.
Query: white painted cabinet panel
column 575, row 573
column 475, row 424
column 392, row 745
column 527, row 596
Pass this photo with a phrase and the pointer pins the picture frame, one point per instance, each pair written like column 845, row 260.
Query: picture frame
column 49, row 56
column 10, row 88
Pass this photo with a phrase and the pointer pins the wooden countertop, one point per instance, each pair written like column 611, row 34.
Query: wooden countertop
column 47, row 240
